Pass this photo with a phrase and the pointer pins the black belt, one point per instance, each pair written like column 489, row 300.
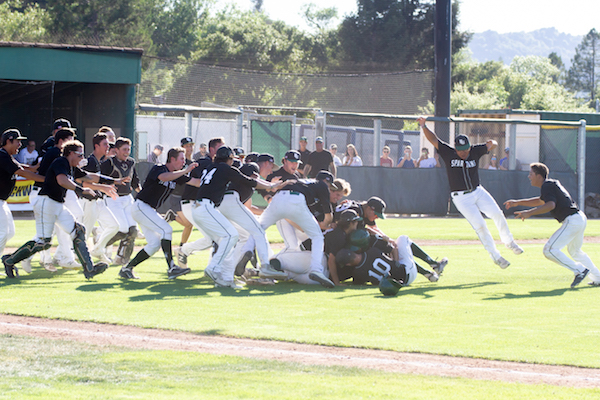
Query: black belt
column 457, row 192
column 186, row 201
column 292, row 192
column 229, row 192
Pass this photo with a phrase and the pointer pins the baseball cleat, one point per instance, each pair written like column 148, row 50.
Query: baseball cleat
column 212, row 274
column 11, row 270
column 101, row 255
column 439, row 266
column 176, row 271
column 432, row 276
column 594, row 283
column 502, row 262
column 181, row 258
column 250, row 273
column 515, row 248
column 71, row 265
column 267, row 271
column 579, row 277
column 26, row 264
column 229, row 284
column 49, row 267
column 322, row 279
column 241, row 266
column 127, row 273
column 96, row 270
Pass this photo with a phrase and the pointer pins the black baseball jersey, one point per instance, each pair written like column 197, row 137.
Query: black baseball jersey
column 216, row 178
column 93, row 164
column 357, row 207
column 335, row 240
column 51, row 154
column 462, row 174
column 115, row 168
column 285, row 176
column 316, row 194
column 553, row 190
column 47, row 145
column 179, row 189
column 154, row 191
column 375, row 265
column 319, row 161
column 191, row 192
column 59, row 166
column 8, row 167
column 244, row 190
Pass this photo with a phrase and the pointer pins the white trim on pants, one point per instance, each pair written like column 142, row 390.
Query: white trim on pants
column 154, row 227
column 205, row 242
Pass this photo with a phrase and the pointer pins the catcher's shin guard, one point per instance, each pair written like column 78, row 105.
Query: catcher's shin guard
column 126, row 246
column 118, row 236
column 80, row 247
column 29, row 249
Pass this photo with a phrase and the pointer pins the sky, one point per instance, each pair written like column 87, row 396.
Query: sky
column 503, row 16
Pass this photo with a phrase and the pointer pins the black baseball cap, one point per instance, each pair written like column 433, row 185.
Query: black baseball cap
column 265, row 157
column 12, row 134
column 325, row 176
column 377, row 205
column 249, row 169
column 349, row 216
column 251, row 157
column 238, row 151
column 62, row 123
column 186, row 140
column 292, row 155
column 224, row 152
column 461, row 142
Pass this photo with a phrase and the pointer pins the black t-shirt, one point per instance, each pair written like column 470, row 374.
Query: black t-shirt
column 155, row 192
column 315, row 192
column 553, row 190
column 191, row 192
column 50, row 187
column 357, row 206
column 335, row 240
column 179, row 189
column 462, row 174
column 304, row 158
column 47, row 145
column 51, row 154
column 285, row 176
column 216, row 178
column 117, row 169
column 319, row 161
column 244, row 190
column 8, row 167
column 375, row 264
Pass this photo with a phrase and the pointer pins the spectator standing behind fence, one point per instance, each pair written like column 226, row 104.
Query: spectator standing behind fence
column 154, row 156
column 304, row 153
column 202, row 150
column 385, row 160
column 407, row 161
column 319, row 160
column 504, row 161
column 29, row 154
column 428, row 162
column 352, row 159
column 333, row 151
column 493, row 163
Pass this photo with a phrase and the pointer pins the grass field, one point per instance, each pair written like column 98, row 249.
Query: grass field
column 525, row 313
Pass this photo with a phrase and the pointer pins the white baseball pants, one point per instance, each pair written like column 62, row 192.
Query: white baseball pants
column 64, row 250
column 406, row 258
column 97, row 210
column 471, row 205
column 7, row 225
column 297, row 264
column 570, row 234
column 122, row 209
column 154, row 227
column 205, row 242
column 48, row 213
column 292, row 205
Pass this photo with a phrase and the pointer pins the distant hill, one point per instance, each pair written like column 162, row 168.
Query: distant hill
column 494, row 46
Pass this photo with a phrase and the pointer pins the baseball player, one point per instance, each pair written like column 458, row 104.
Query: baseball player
column 59, row 124
column 213, row 185
column 50, row 208
column 469, row 197
column 555, row 199
column 9, row 170
column 122, row 166
column 159, row 184
column 294, row 202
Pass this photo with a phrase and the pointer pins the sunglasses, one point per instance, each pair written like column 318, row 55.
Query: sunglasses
column 79, row 153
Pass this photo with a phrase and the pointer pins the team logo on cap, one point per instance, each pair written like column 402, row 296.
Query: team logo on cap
column 462, row 141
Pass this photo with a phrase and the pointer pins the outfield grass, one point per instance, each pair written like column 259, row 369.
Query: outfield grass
column 524, row 313
column 36, row 368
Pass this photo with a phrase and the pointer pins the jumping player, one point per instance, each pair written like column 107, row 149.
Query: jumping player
column 555, row 199
column 469, row 197
column 50, row 209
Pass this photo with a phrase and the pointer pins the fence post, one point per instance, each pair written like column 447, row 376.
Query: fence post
column 376, row 141
column 581, row 138
column 512, row 143
column 188, row 123
column 240, row 130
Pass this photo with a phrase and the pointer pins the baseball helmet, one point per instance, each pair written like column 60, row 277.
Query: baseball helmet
column 325, row 176
column 359, row 240
column 389, row 286
column 224, row 152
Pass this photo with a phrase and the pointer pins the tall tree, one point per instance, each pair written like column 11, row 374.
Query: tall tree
column 585, row 66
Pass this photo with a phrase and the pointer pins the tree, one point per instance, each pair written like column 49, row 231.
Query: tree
column 318, row 18
column 585, row 66
column 394, row 35
column 21, row 22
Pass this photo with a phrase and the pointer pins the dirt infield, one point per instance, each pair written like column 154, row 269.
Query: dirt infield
column 388, row 361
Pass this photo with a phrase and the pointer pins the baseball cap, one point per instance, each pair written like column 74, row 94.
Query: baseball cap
column 237, row 163
column 461, row 142
column 250, row 169
column 349, row 216
column 507, row 149
column 238, row 151
column 11, row 134
column 292, row 155
column 251, row 157
column 325, row 176
column 319, row 139
column 224, row 152
column 186, row 140
column 265, row 157
column 377, row 205
column 333, row 146
column 62, row 123
column 303, row 139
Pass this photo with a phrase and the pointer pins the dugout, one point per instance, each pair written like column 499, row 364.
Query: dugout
column 89, row 85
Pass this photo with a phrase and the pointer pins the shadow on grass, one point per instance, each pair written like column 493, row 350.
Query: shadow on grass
column 427, row 291
column 547, row 293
